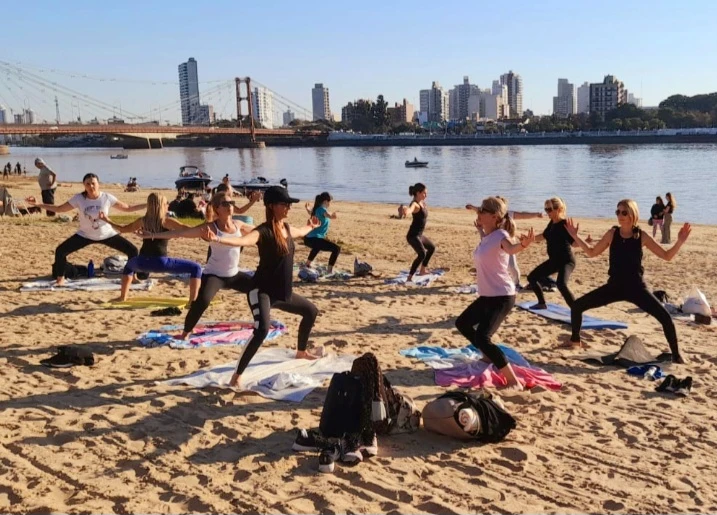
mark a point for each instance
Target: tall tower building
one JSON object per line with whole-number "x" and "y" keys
{"x": 607, "y": 95}
{"x": 263, "y": 101}
{"x": 584, "y": 98}
{"x": 189, "y": 92}
{"x": 458, "y": 99}
{"x": 320, "y": 102}
{"x": 288, "y": 117}
{"x": 434, "y": 102}
{"x": 514, "y": 83}
{"x": 564, "y": 102}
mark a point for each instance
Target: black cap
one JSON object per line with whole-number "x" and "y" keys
{"x": 278, "y": 195}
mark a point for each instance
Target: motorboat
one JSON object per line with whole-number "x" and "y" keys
{"x": 258, "y": 184}
{"x": 416, "y": 163}
{"x": 218, "y": 148}
{"x": 192, "y": 178}
{"x": 119, "y": 156}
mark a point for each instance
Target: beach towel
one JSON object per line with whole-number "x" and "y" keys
{"x": 418, "y": 280}
{"x": 147, "y": 302}
{"x": 93, "y": 284}
{"x": 562, "y": 314}
{"x": 463, "y": 367}
{"x": 468, "y": 289}
{"x": 632, "y": 353}
{"x": 272, "y": 373}
{"x": 209, "y": 334}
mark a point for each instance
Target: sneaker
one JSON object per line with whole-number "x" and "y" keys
{"x": 351, "y": 454}
{"x": 328, "y": 457}
{"x": 309, "y": 441}
{"x": 684, "y": 387}
{"x": 669, "y": 384}
{"x": 369, "y": 446}
{"x": 59, "y": 360}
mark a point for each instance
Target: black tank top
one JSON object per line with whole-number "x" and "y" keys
{"x": 626, "y": 257}
{"x": 154, "y": 248}
{"x": 274, "y": 275}
{"x": 419, "y": 221}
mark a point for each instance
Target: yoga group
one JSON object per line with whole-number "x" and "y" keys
{"x": 270, "y": 286}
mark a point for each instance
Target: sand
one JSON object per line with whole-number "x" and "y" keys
{"x": 108, "y": 439}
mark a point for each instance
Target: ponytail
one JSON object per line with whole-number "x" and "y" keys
{"x": 508, "y": 225}
{"x": 282, "y": 247}
{"x": 416, "y": 189}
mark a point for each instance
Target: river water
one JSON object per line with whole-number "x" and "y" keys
{"x": 590, "y": 178}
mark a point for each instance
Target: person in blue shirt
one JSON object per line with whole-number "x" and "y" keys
{"x": 316, "y": 239}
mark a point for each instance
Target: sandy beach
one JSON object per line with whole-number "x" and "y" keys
{"x": 109, "y": 439}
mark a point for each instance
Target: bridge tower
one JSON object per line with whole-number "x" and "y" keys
{"x": 250, "y": 105}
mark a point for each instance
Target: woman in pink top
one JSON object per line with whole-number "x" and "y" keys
{"x": 496, "y": 286}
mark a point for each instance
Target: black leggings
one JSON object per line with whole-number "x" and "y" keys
{"x": 547, "y": 268}
{"x": 320, "y": 244}
{"x": 423, "y": 247}
{"x": 637, "y": 293}
{"x": 261, "y": 305}
{"x": 211, "y": 284}
{"x": 77, "y": 242}
{"x": 483, "y": 318}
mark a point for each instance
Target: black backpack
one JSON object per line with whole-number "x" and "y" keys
{"x": 342, "y": 407}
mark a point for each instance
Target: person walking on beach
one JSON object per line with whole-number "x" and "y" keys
{"x": 496, "y": 287}
{"x": 153, "y": 254}
{"x": 625, "y": 275}
{"x": 90, "y": 203}
{"x": 272, "y": 281}
{"x": 316, "y": 239}
{"x": 667, "y": 224}
{"x": 560, "y": 254}
{"x": 657, "y": 216}
{"x": 421, "y": 244}
{"x": 47, "y": 179}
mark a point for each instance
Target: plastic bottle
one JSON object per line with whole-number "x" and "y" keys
{"x": 650, "y": 374}
{"x": 91, "y": 269}
{"x": 469, "y": 419}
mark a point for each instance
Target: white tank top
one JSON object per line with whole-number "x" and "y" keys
{"x": 224, "y": 260}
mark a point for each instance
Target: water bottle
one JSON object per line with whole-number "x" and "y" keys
{"x": 91, "y": 269}
{"x": 650, "y": 374}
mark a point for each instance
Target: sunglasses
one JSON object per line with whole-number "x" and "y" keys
{"x": 227, "y": 203}
{"x": 622, "y": 212}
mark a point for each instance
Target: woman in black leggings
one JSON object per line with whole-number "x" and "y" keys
{"x": 423, "y": 246}
{"x": 560, "y": 255}
{"x": 625, "y": 282}
{"x": 316, "y": 239}
{"x": 272, "y": 283}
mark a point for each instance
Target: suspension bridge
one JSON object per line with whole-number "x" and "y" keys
{"x": 24, "y": 88}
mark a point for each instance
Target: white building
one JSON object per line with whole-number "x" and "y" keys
{"x": 632, "y": 99}
{"x": 514, "y": 83}
{"x": 28, "y": 116}
{"x": 263, "y": 101}
{"x": 435, "y": 103}
{"x": 3, "y": 115}
{"x": 564, "y": 104}
{"x": 584, "y": 98}
{"x": 320, "y": 102}
{"x": 288, "y": 117}
{"x": 189, "y": 92}
{"x": 458, "y": 99}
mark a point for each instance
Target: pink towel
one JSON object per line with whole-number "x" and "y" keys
{"x": 477, "y": 374}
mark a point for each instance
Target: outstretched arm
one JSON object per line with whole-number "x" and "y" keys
{"x": 190, "y": 232}
{"x": 413, "y": 207}
{"x": 590, "y": 250}
{"x": 667, "y": 254}
{"x": 515, "y": 248}
{"x": 524, "y": 215}
{"x": 300, "y": 232}
{"x": 130, "y": 227}
{"x": 253, "y": 197}
{"x": 208, "y": 234}
{"x": 62, "y": 208}
{"x": 122, "y": 206}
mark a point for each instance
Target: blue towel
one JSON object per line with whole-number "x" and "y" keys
{"x": 428, "y": 353}
{"x": 562, "y": 314}
{"x": 641, "y": 370}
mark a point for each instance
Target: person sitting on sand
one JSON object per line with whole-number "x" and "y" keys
{"x": 421, "y": 244}
{"x": 272, "y": 281}
{"x": 132, "y": 185}
{"x": 625, "y": 275}
{"x": 90, "y": 203}
{"x": 153, "y": 254}
{"x": 495, "y": 283}
{"x": 316, "y": 239}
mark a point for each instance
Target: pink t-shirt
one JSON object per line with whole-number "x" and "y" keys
{"x": 493, "y": 277}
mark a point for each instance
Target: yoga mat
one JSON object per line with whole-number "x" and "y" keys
{"x": 147, "y": 302}
{"x": 562, "y": 314}
{"x": 209, "y": 334}
{"x": 94, "y": 284}
{"x": 418, "y": 280}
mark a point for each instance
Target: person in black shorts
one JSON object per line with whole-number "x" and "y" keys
{"x": 625, "y": 281}
{"x": 271, "y": 285}
{"x": 421, "y": 244}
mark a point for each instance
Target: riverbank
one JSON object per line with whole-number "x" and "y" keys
{"x": 598, "y": 444}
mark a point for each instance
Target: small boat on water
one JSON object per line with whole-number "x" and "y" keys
{"x": 192, "y": 178}
{"x": 119, "y": 156}
{"x": 218, "y": 148}
{"x": 258, "y": 184}
{"x": 416, "y": 163}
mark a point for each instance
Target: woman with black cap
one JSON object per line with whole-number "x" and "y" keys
{"x": 272, "y": 281}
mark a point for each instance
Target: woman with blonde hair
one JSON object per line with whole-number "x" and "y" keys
{"x": 560, "y": 254}
{"x": 625, "y": 275}
{"x": 153, "y": 254}
{"x": 667, "y": 220}
{"x": 495, "y": 283}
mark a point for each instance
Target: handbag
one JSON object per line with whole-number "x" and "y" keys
{"x": 650, "y": 222}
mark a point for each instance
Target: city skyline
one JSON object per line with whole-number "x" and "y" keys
{"x": 652, "y": 57}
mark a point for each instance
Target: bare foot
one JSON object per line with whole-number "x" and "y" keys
{"x": 182, "y": 336}
{"x": 118, "y": 299}
{"x": 571, "y": 345}
{"x": 60, "y": 281}
{"x": 235, "y": 381}
{"x": 302, "y": 354}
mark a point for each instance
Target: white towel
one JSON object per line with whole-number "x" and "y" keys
{"x": 94, "y": 284}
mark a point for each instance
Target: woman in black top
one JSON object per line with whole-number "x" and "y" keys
{"x": 667, "y": 224}
{"x": 423, "y": 246}
{"x": 272, "y": 281}
{"x": 657, "y": 214}
{"x": 560, "y": 255}
{"x": 625, "y": 282}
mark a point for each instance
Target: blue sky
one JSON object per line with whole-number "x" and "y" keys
{"x": 357, "y": 49}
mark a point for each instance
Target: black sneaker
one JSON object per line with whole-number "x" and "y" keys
{"x": 309, "y": 441}
{"x": 669, "y": 384}
{"x": 684, "y": 387}
{"x": 59, "y": 360}
{"x": 328, "y": 457}
{"x": 351, "y": 454}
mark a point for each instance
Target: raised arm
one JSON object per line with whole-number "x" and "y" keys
{"x": 590, "y": 250}
{"x": 62, "y": 208}
{"x": 667, "y": 254}
{"x": 130, "y": 227}
{"x": 253, "y": 197}
{"x": 520, "y": 246}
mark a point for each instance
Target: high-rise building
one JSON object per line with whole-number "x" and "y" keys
{"x": 632, "y": 99}
{"x": 204, "y": 115}
{"x": 434, "y": 102}
{"x": 584, "y": 98}
{"x": 288, "y": 117}
{"x": 564, "y": 103}
{"x": 458, "y": 99}
{"x": 189, "y": 91}
{"x": 28, "y": 116}
{"x": 607, "y": 95}
{"x": 3, "y": 115}
{"x": 263, "y": 101}
{"x": 320, "y": 102}
{"x": 514, "y": 83}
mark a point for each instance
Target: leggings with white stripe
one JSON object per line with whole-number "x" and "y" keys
{"x": 261, "y": 304}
